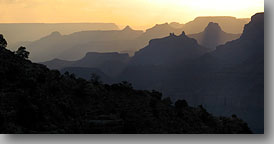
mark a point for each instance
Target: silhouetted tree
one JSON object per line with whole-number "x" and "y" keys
{"x": 3, "y": 42}
{"x": 234, "y": 116}
{"x": 202, "y": 108}
{"x": 72, "y": 76}
{"x": 66, "y": 74}
{"x": 95, "y": 79}
{"x": 157, "y": 94}
{"x": 167, "y": 101}
{"x": 21, "y": 52}
{"x": 179, "y": 104}
{"x": 126, "y": 84}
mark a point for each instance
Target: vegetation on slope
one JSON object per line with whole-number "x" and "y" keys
{"x": 34, "y": 99}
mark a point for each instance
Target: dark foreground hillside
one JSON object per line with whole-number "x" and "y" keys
{"x": 34, "y": 99}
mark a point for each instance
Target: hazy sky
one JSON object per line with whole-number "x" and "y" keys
{"x": 136, "y": 13}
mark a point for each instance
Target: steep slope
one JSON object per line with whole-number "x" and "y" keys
{"x": 169, "y": 50}
{"x": 109, "y": 63}
{"x": 227, "y": 23}
{"x": 76, "y": 45}
{"x": 37, "y": 100}
{"x": 213, "y": 36}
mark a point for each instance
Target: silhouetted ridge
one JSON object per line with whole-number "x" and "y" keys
{"x": 76, "y": 45}
{"x": 158, "y": 27}
{"x": 56, "y": 33}
{"x": 250, "y": 44}
{"x": 255, "y": 29}
{"x": 228, "y": 24}
{"x": 168, "y": 50}
{"x": 213, "y": 36}
{"x": 53, "y": 36}
{"x": 161, "y": 30}
{"x": 157, "y": 31}
{"x": 172, "y": 36}
{"x": 182, "y": 35}
{"x": 176, "y": 25}
{"x": 127, "y": 28}
{"x": 22, "y": 32}
{"x": 92, "y": 54}
{"x": 111, "y": 63}
{"x": 213, "y": 27}
{"x": 73, "y": 46}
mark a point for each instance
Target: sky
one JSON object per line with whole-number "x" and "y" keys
{"x": 139, "y": 14}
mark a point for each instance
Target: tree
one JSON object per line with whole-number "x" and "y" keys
{"x": 126, "y": 84}
{"x": 95, "y": 79}
{"x": 3, "y": 42}
{"x": 21, "y": 52}
{"x": 156, "y": 94}
{"x": 180, "y": 104}
{"x": 234, "y": 116}
{"x": 167, "y": 101}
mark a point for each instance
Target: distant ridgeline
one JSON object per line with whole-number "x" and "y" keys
{"x": 213, "y": 36}
{"x": 34, "y": 99}
{"x": 110, "y": 63}
{"x": 22, "y": 32}
{"x": 226, "y": 77}
{"x": 66, "y": 43}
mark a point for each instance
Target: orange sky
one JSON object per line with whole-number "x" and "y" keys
{"x": 136, "y": 13}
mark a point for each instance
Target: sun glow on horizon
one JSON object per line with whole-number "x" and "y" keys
{"x": 137, "y": 13}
